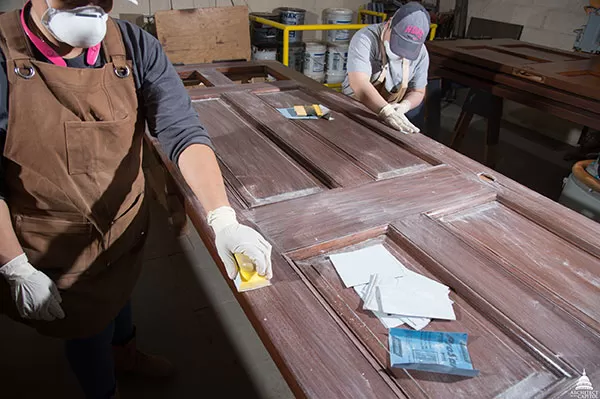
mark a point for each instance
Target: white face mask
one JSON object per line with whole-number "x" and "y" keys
{"x": 81, "y": 27}
{"x": 391, "y": 56}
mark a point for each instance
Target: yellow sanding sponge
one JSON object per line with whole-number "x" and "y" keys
{"x": 248, "y": 280}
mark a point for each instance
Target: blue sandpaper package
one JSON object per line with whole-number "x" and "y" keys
{"x": 438, "y": 352}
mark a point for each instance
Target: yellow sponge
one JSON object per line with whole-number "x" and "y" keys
{"x": 247, "y": 278}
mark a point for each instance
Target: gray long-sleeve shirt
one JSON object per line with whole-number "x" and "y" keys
{"x": 162, "y": 97}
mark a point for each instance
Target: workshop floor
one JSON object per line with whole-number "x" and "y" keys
{"x": 184, "y": 310}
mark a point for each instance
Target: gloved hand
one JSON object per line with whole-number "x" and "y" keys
{"x": 35, "y": 295}
{"x": 393, "y": 116}
{"x": 233, "y": 237}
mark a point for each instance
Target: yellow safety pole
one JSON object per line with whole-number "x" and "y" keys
{"x": 362, "y": 11}
{"x": 432, "y": 30}
{"x": 286, "y": 46}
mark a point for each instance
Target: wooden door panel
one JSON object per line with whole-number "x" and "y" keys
{"x": 503, "y": 363}
{"x": 344, "y": 212}
{"x": 531, "y": 252}
{"x": 373, "y": 153}
{"x": 536, "y": 52}
{"x": 332, "y": 167}
{"x": 262, "y": 173}
{"x": 523, "y": 271}
{"x": 532, "y": 317}
{"x": 575, "y": 73}
{"x": 500, "y": 56}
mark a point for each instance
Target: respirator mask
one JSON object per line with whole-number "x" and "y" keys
{"x": 81, "y": 27}
{"x": 390, "y": 55}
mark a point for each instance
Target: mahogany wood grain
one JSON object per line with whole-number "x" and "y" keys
{"x": 533, "y": 253}
{"x": 204, "y": 93}
{"x": 535, "y": 321}
{"x": 523, "y": 270}
{"x": 212, "y": 77}
{"x": 544, "y": 104}
{"x": 370, "y": 151}
{"x": 573, "y": 72}
{"x": 332, "y": 167}
{"x": 262, "y": 172}
{"x": 531, "y": 87}
{"x": 487, "y": 343}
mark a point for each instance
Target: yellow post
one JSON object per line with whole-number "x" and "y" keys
{"x": 286, "y": 46}
{"x": 432, "y": 30}
{"x": 362, "y": 11}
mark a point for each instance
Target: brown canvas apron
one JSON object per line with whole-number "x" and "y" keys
{"x": 379, "y": 83}
{"x": 74, "y": 179}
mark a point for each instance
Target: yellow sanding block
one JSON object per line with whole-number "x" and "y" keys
{"x": 248, "y": 280}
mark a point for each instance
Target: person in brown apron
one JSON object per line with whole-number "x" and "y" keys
{"x": 73, "y": 211}
{"x": 387, "y": 67}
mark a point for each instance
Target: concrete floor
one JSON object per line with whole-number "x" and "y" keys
{"x": 184, "y": 310}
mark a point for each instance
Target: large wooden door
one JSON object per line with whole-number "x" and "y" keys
{"x": 566, "y": 70}
{"x": 524, "y": 272}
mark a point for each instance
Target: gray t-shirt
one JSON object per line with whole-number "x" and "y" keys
{"x": 364, "y": 55}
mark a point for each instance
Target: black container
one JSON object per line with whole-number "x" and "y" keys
{"x": 291, "y": 16}
{"x": 264, "y": 35}
{"x": 296, "y": 56}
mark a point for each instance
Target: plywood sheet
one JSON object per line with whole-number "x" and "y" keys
{"x": 204, "y": 34}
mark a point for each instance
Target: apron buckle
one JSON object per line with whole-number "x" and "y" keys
{"x": 30, "y": 72}
{"x": 122, "y": 72}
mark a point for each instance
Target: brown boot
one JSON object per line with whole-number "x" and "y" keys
{"x": 128, "y": 359}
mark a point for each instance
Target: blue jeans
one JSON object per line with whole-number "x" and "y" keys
{"x": 91, "y": 358}
{"x": 417, "y": 116}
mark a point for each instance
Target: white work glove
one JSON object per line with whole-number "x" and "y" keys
{"x": 393, "y": 116}
{"x": 35, "y": 295}
{"x": 233, "y": 237}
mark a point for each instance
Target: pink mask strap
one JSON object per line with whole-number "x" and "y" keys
{"x": 53, "y": 56}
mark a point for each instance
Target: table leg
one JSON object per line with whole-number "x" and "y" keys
{"x": 433, "y": 106}
{"x": 493, "y": 132}
{"x": 460, "y": 129}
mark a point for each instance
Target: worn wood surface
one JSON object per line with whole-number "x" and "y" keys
{"x": 524, "y": 271}
{"x": 204, "y": 34}
{"x": 566, "y": 70}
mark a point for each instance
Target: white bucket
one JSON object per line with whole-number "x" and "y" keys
{"x": 264, "y": 54}
{"x": 318, "y": 77}
{"x": 337, "y": 56}
{"x": 337, "y": 16}
{"x": 314, "y": 60}
{"x": 335, "y": 78}
{"x": 580, "y": 198}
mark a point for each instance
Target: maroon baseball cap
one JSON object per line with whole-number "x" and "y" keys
{"x": 409, "y": 29}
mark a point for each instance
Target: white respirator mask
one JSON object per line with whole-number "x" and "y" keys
{"x": 390, "y": 55}
{"x": 81, "y": 27}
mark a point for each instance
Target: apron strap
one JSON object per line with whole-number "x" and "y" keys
{"x": 14, "y": 42}
{"x": 379, "y": 83}
{"x": 384, "y": 60}
{"x": 113, "y": 46}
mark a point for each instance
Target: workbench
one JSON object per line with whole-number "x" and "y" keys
{"x": 561, "y": 83}
{"x": 524, "y": 271}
